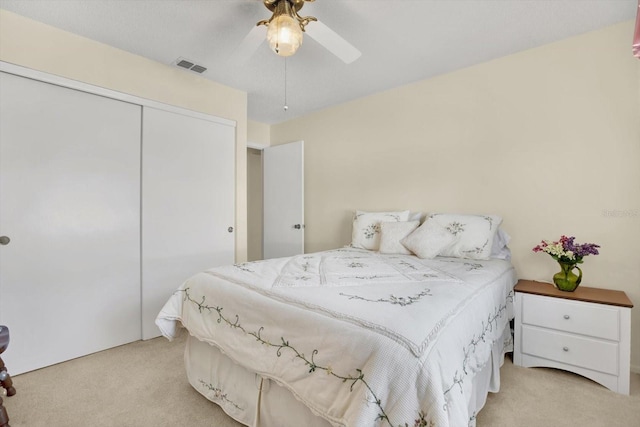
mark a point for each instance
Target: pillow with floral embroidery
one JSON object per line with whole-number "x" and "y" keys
{"x": 473, "y": 235}
{"x": 366, "y": 227}
{"x": 391, "y": 233}
{"x": 428, "y": 240}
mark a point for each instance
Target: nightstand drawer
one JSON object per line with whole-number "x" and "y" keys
{"x": 574, "y": 350}
{"x": 595, "y": 320}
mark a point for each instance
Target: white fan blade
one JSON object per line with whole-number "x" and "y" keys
{"x": 332, "y": 41}
{"x": 249, "y": 45}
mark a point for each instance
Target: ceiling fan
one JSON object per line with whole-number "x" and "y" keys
{"x": 284, "y": 31}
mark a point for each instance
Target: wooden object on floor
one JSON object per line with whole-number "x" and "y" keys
{"x": 5, "y": 378}
{"x": 6, "y": 381}
{"x": 582, "y": 293}
{"x": 4, "y": 417}
{"x": 587, "y": 331}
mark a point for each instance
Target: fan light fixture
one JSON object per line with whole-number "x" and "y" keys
{"x": 285, "y": 28}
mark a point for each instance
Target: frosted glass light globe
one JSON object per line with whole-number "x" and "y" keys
{"x": 284, "y": 35}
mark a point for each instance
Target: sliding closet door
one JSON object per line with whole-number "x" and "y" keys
{"x": 188, "y": 197}
{"x": 69, "y": 203}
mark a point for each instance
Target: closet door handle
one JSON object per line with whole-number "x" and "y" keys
{"x": 4, "y": 240}
{"x": 230, "y": 229}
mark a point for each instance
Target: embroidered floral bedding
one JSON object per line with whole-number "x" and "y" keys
{"x": 361, "y": 338}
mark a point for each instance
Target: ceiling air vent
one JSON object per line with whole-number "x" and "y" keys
{"x": 198, "y": 68}
{"x": 185, "y": 64}
{"x": 190, "y": 65}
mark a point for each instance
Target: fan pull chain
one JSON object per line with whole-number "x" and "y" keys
{"x": 286, "y": 107}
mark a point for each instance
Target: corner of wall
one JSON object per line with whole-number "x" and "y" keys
{"x": 258, "y": 135}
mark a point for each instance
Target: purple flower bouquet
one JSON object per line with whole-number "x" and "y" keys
{"x": 568, "y": 254}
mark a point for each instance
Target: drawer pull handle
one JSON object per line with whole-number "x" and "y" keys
{"x": 565, "y": 348}
{"x": 566, "y": 316}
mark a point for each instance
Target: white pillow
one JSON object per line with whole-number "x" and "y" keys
{"x": 428, "y": 240}
{"x": 500, "y": 249}
{"x": 473, "y": 234}
{"x": 366, "y": 227}
{"x": 392, "y": 232}
{"x": 415, "y": 216}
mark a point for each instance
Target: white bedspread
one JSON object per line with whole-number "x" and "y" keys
{"x": 362, "y": 339}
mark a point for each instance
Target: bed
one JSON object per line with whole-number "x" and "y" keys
{"x": 347, "y": 337}
{"x": 408, "y": 326}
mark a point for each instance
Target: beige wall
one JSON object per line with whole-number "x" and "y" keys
{"x": 41, "y": 47}
{"x": 258, "y": 134}
{"x": 547, "y": 138}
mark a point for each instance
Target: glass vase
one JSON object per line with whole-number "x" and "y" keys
{"x": 566, "y": 279}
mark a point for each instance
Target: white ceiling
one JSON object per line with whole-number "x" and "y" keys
{"x": 401, "y": 41}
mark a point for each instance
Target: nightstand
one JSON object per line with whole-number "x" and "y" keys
{"x": 587, "y": 331}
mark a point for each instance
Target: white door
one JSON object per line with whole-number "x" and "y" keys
{"x": 70, "y": 205}
{"x": 283, "y": 168}
{"x": 188, "y": 204}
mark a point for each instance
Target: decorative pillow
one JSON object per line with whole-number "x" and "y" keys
{"x": 415, "y": 216}
{"x": 428, "y": 240}
{"x": 392, "y": 232}
{"x": 500, "y": 249}
{"x": 473, "y": 234}
{"x": 366, "y": 227}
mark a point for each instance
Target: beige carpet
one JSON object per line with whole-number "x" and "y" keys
{"x": 144, "y": 384}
